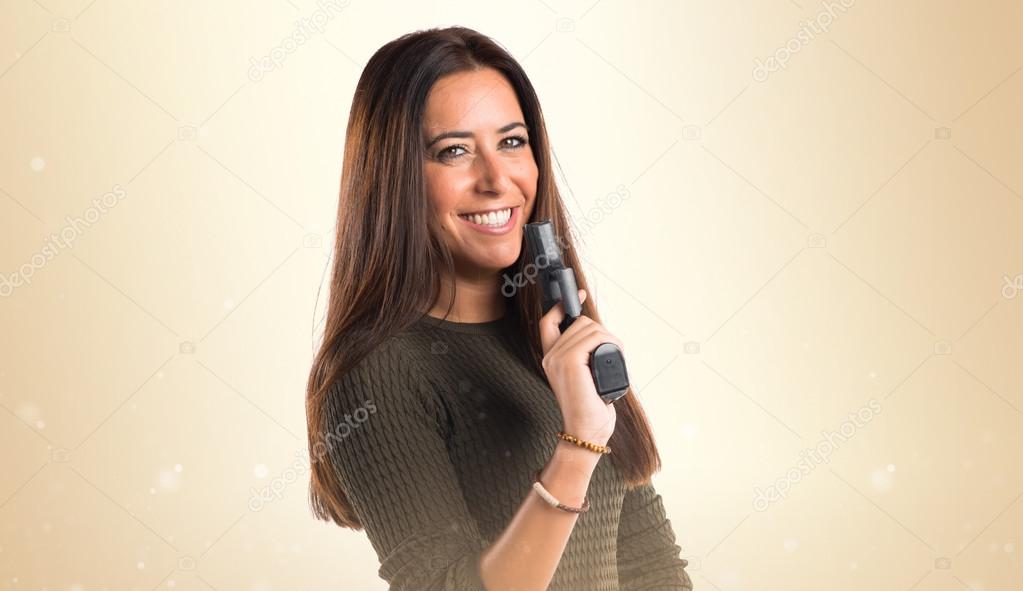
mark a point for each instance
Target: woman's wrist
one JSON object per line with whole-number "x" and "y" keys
{"x": 590, "y": 434}
{"x": 572, "y": 458}
{"x": 567, "y": 474}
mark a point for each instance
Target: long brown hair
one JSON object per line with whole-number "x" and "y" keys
{"x": 389, "y": 248}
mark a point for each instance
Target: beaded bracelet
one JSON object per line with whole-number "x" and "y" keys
{"x": 602, "y": 449}
{"x": 547, "y": 496}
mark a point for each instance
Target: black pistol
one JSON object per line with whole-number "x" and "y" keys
{"x": 557, "y": 284}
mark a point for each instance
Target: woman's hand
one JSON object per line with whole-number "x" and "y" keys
{"x": 566, "y": 363}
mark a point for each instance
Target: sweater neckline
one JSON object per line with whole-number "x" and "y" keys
{"x": 489, "y": 327}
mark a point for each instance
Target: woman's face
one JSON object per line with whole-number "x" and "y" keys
{"x": 479, "y": 168}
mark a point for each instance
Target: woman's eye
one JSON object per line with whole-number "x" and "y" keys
{"x": 447, "y": 154}
{"x": 521, "y": 141}
{"x": 451, "y": 152}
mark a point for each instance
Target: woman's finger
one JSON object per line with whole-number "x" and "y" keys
{"x": 549, "y": 331}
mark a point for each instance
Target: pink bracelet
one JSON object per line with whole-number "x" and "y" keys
{"x": 547, "y": 496}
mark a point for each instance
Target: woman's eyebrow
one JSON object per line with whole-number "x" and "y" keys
{"x": 448, "y": 134}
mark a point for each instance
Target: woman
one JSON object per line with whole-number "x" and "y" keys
{"x": 439, "y": 390}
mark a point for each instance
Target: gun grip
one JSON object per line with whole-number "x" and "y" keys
{"x": 607, "y": 365}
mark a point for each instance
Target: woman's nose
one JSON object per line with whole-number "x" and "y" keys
{"x": 491, "y": 173}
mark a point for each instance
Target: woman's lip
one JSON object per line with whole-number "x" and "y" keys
{"x": 486, "y": 211}
{"x": 512, "y": 220}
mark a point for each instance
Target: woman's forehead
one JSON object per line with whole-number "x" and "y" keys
{"x": 480, "y": 100}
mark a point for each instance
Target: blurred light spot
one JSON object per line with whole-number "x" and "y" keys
{"x": 882, "y": 480}
{"x": 28, "y": 413}
{"x": 168, "y": 481}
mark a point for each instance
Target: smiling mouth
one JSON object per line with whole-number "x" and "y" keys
{"x": 492, "y": 219}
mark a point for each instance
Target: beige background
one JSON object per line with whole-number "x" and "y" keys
{"x": 832, "y": 247}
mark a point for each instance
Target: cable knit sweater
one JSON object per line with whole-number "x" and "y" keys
{"x": 437, "y": 436}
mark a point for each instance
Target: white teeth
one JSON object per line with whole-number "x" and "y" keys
{"x": 494, "y": 218}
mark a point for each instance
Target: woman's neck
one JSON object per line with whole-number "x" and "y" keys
{"x": 476, "y": 299}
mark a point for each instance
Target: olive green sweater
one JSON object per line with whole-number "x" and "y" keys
{"x": 446, "y": 427}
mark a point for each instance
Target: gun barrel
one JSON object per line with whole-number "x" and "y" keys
{"x": 542, "y": 246}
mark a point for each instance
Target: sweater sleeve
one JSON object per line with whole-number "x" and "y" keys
{"x": 394, "y": 467}
{"x": 648, "y": 557}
